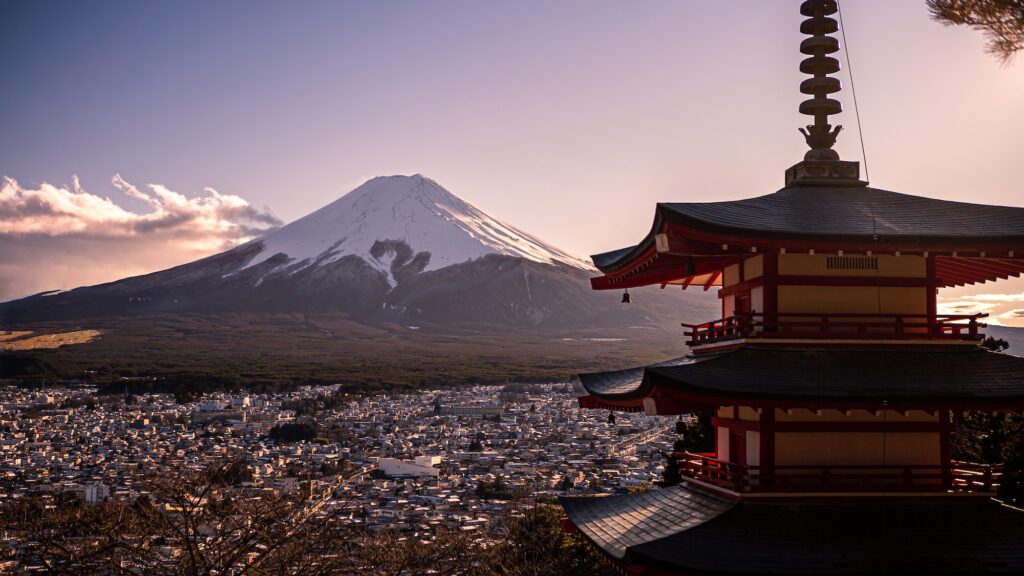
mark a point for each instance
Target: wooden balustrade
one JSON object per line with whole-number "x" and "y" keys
{"x": 960, "y": 477}
{"x": 848, "y": 326}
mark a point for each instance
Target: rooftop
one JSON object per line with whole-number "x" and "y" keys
{"x": 681, "y": 529}
{"x": 836, "y": 214}
{"x": 800, "y": 377}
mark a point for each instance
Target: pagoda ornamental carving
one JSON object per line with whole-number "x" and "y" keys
{"x": 832, "y": 377}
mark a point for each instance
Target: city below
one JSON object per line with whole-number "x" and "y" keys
{"x": 450, "y": 459}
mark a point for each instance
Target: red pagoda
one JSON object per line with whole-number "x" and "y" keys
{"x": 832, "y": 377}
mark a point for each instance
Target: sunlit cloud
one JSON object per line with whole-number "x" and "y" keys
{"x": 999, "y": 297}
{"x": 211, "y": 221}
{"x": 1013, "y": 317}
{"x": 1002, "y": 309}
{"x": 964, "y": 307}
{"x": 54, "y": 237}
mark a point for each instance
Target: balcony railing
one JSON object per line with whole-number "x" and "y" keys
{"x": 960, "y": 477}
{"x": 840, "y": 326}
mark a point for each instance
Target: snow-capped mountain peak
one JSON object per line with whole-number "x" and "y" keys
{"x": 397, "y": 250}
{"x": 374, "y": 220}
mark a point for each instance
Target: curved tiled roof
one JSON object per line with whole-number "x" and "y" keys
{"x": 858, "y": 212}
{"x": 615, "y": 523}
{"x": 932, "y": 375}
{"x": 607, "y": 258}
{"x": 838, "y": 213}
{"x": 709, "y": 535}
{"x": 617, "y": 382}
{"x": 871, "y": 375}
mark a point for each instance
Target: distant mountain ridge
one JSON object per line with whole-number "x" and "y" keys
{"x": 397, "y": 249}
{"x": 1014, "y": 336}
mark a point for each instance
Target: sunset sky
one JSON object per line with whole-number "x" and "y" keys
{"x": 167, "y": 131}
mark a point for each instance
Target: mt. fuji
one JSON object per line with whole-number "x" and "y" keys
{"x": 397, "y": 249}
{"x": 381, "y": 218}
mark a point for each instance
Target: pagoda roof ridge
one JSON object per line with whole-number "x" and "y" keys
{"x": 869, "y": 377}
{"x": 834, "y": 214}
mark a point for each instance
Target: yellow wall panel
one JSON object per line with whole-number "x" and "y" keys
{"x": 731, "y": 275}
{"x": 856, "y": 448}
{"x": 853, "y": 299}
{"x": 753, "y": 267}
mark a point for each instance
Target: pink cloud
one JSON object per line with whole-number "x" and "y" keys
{"x": 212, "y": 220}
{"x": 55, "y": 237}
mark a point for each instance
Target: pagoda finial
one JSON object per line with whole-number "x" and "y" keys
{"x": 820, "y": 135}
{"x": 821, "y": 165}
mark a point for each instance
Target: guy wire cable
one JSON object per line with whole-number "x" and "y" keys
{"x": 853, "y": 90}
{"x": 874, "y": 222}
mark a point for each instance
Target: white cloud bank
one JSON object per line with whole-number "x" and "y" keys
{"x": 60, "y": 238}
{"x": 1003, "y": 309}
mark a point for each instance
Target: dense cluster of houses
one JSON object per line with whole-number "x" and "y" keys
{"x": 408, "y": 462}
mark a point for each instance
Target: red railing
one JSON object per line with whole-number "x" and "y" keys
{"x": 960, "y": 477}
{"x": 842, "y": 326}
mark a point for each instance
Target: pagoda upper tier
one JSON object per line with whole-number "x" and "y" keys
{"x": 691, "y": 244}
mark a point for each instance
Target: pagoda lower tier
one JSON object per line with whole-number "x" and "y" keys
{"x": 816, "y": 421}
{"x": 686, "y": 530}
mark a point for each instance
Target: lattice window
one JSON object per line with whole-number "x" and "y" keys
{"x": 852, "y": 263}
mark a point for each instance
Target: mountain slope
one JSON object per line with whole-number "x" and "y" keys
{"x": 373, "y": 220}
{"x": 398, "y": 249}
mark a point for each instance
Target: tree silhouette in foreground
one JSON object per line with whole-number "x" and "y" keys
{"x": 696, "y": 434}
{"x": 1002, "y": 21}
{"x": 992, "y": 438}
{"x": 201, "y": 522}
{"x": 206, "y": 522}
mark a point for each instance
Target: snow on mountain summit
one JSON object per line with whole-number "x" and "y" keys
{"x": 410, "y": 209}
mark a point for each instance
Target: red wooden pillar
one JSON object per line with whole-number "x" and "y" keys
{"x": 946, "y": 447}
{"x": 932, "y": 296}
{"x": 767, "y": 445}
{"x": 771, "y": 291}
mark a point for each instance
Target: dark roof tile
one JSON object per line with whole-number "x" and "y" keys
{"x": 623, "y": 381}
{"x": 894, "y": 536}
{"x": 957, "y": 375}
{"x": 837, "y": 213}
{"x": 686, "y": 530}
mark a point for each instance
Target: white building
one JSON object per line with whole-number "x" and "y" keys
{"x": 420, "y": 467}
{"x": 96, "y": 493}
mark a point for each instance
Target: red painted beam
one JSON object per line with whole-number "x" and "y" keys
{"x": 933, "y": 292}
{"x": 950, "y": 276}
{"x": 713, "y": 400}
{"x": 976, "y": 269}
{"x": 711, "y": 281}
{"x": 667, "y": 268}
{"x": 590, "y": 402}
{"x": 742, "y": 243}
{"x": 846, "y": 427}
